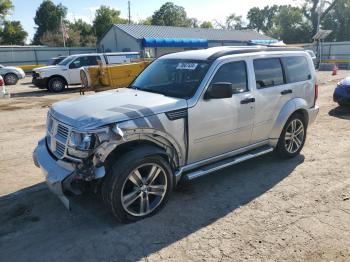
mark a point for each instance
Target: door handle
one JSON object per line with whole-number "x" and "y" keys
{"x": 248, "y": 100}
{"x": 287, "y": 91}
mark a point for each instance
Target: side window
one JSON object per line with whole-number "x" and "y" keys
{"x": 268, "y": 72}
{"x": 234, "y": 73}
{"x": 297, "y": 69}
{"x": 84, "y": 61}
{"x": 92, "y": 60}
{"x": 75, "y": 64}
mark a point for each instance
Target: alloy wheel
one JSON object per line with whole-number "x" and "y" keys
{"x": 144, "y": 189}
{"x": 294, "y": 136}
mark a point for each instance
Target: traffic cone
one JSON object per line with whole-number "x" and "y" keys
{"x": 334, "y": 71}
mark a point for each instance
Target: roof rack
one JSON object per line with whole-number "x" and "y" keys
{"x": 251, "y": 50}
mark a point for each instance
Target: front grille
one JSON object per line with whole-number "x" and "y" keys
{"x": 60, "y": 149}
{"x": 57, "y": 137}
{"x": 62, "y": 131}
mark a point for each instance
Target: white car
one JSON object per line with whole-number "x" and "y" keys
{"x": 55, "y": 78}
{"x": 11, "y": 74}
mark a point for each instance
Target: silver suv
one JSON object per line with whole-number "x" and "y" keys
{"x": 186, "y": 115}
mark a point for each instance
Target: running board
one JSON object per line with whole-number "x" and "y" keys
{"x": 204, "y": 170}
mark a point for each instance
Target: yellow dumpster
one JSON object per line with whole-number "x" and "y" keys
{"x": 101, "y": 77}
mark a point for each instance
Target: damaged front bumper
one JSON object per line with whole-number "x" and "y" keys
{"x": 59, "y": 174}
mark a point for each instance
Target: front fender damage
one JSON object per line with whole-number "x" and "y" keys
{"x": 123, "y": 135}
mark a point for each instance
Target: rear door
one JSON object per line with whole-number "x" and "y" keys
{"x": 270, "y": 95}
{"x": 299, "y": 77}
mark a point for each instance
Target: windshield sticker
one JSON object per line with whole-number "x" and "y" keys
{"x": 187, "y": 66}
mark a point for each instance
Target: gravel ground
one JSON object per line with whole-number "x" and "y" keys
{"x": 265, "y": 209}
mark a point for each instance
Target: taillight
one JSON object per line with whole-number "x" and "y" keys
{"x": 316, "y": 93}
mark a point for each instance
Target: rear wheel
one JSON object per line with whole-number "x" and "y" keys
{"x": 11, "y": 79}
{"x": 137, "y": 186}
{"x": 56, "y": 84}
{"x": 293, "y": 136}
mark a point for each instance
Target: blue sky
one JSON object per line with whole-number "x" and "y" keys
{"x": 201, "y": 9}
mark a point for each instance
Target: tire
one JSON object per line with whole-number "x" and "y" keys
{"x": 10, "y": 79}
{"x": 129, "y": 184}
{"x": 56, "y": 84}
{"x": 343, "y": 104}
{"x": 292, "y": 138}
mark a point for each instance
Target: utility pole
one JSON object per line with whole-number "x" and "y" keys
{"x": 63, "y": 33}
{"x": 319, "y": 12}
{"x": 129, "y": 12}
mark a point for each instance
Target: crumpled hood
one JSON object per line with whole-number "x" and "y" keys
{"x": 47, "y": 68}
{"x": 93, "y": 111}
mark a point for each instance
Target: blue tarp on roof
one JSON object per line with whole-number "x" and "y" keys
{"x": 262, "y": 42}
{"x": 174, "y": 42}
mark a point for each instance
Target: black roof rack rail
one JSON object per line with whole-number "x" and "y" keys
{"x": 251, "y": 50}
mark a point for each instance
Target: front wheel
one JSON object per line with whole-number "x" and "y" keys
{"x": 56, "y": 85}
{"x": 137, "y": 186}
{"x": 292, "y": 138}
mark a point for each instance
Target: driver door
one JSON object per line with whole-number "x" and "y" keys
{"x": 74, "y": 67}
{"x": 218, "y": 126}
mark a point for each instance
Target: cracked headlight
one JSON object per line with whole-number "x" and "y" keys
{"x": 81, "y": 144}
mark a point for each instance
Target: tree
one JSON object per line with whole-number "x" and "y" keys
{"x": 147, "y": 21}
{"x": 51, "y": 39}
{"x": 105, "y": 17}
{"x": 206, "y": 24}
{"x": 170, "y": 14}
{"x": 81, "y": 34}
{"x": 193, "y": 22}
{"x": 262, "y": 19}
{"x": 312, "y": 8}
{"x": 13, "y": 33}
{"x": 290, "y": 25}
{"x": 48, "y": 19}
{"x": 338, "y": 20}
{"x": 5, "y": 8}
{"x": 232, "y": 22}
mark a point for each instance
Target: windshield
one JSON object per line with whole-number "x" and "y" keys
{"x": 172, "y": 77}
{"x": 67, "y": 60}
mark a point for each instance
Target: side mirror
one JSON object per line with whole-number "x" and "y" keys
{"x": 219, "y": 90}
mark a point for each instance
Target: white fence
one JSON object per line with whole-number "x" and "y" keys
{"x": 36, "y": 55}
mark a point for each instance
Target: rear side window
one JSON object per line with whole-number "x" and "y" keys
{"x": 234, "y": 73}
{"x": 268, "y": 72}
{"x": 297, "y": 69}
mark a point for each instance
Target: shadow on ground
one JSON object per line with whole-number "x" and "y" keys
{"x": 342, "y": 112}
{"x": 34, "y": 226}
{"x": 37, "y": 92}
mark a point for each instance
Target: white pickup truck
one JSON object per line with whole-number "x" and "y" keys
{"x": 57, "y": 77}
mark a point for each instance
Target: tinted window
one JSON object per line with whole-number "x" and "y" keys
{"x": 234, "y": 73}
{"x": 84, "y": 61}
{"x": 297, "y": 68}
{"x": 268, "y": 72}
